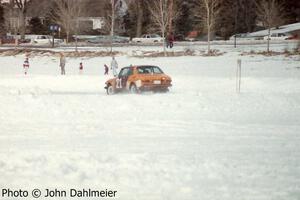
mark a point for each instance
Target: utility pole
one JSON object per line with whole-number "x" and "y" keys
{"x": 238, "y": 75}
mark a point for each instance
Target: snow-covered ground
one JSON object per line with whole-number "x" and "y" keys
{"x": 201, "y": 140}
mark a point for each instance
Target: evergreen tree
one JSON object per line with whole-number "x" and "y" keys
{"x": 185, "y": 20}
{"x": 36, "y": 26}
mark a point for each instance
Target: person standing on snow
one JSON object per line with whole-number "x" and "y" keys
{"x": 62, "y": 63}
{"x": 80, "y": 68}
{"x": 106, "y": 69}
{"x": 114, "y": 66}
{"x": 26, "y": 65}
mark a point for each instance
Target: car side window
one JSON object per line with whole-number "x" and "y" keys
{"x": 140, "y": 70}
{"x": 144, "y": 70}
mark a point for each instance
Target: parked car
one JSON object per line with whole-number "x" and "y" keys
{"x": 148, "y": 38}
{"x": 279, "y": 36}
{"x": 8, "y": 40}
{"x": 43, "y": 39}
{"x": 241, "y": 36}
{"x": 139, "y": 78}
{"x": 107, "y": 39}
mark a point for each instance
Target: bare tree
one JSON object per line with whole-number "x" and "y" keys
{"x": 171, "y": 18}
{"x": 161, "y": 15}
{"x": 209, "y": 11}
{"x": 22, "y": 5}
{"x": 113, "y": 17}
{"x": 39, "y": 8}
{"x": 111, "y": 7}
{"x": 271, "y": 13}
{"x": 67, "y": 15}
{"x": 139, "y": 23}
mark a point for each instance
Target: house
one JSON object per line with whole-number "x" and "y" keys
{"x": 94, "y": 17}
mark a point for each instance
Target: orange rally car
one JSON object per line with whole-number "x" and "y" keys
{"x": 139, "y": 78}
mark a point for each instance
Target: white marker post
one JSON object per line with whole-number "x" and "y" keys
{"x": 238, "y": 75}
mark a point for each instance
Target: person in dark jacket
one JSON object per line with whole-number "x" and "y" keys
{"x": 106, "y": 69}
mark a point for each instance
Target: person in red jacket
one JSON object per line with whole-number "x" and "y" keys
{"x": 26, "y": 65}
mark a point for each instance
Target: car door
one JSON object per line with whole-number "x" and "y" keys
{"x": 124, "y": 75}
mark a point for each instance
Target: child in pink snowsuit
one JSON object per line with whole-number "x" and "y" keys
{"x": 26, "y": 65}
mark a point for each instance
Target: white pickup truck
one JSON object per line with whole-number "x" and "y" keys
{"x": 148, "y": 38}
{"x": 44, "y": 39}
{"x": 279, "y": 36}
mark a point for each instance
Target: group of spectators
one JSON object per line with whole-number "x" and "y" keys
{"x": 62, "y": 65}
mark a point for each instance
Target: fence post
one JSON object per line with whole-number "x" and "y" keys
{"x": 238, "y": 75}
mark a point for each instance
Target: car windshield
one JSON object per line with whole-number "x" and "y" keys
{"x": 149, "y": 70}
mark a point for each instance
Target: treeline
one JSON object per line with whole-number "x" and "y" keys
{"x": 135, "y": 17}
{"x": 234, "y": 16}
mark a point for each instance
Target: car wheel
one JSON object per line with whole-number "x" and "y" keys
{"x": 110, "y": 90}
{"x": 134, "y": 89}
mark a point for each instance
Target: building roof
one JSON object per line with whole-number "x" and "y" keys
{"x": 282, "y": 29}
